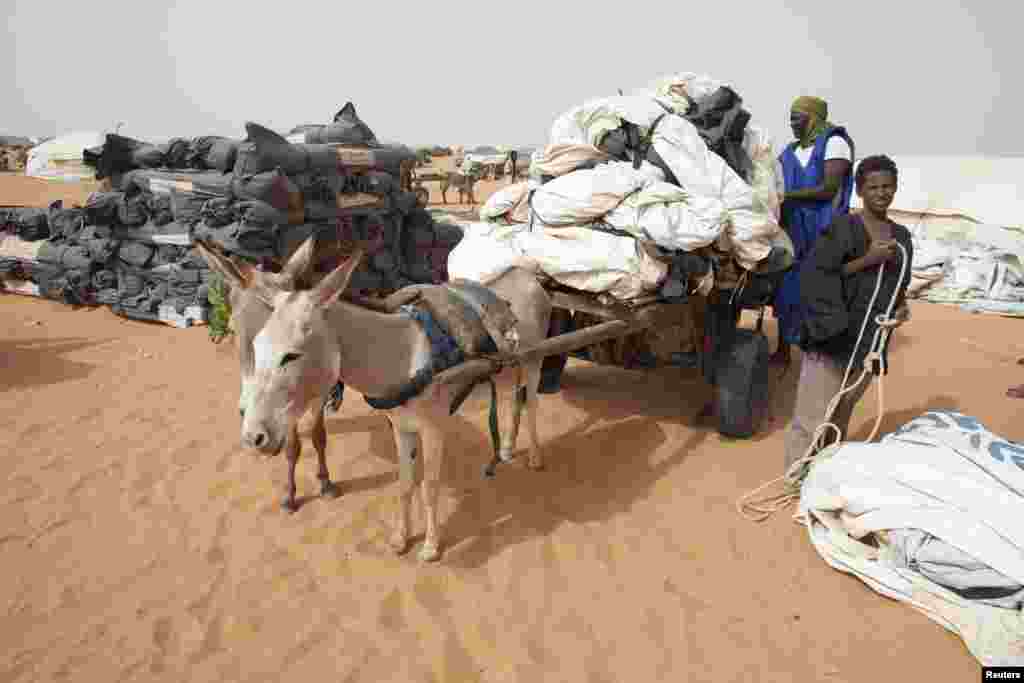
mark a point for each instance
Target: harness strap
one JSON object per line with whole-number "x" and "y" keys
{"x": 444, "y": 354}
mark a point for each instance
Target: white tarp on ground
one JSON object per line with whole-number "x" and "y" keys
{"x": 962, "y": 262}
{"x": 61, "y": 158}
{"x": 947, "y": 476}
{"x": 578, "y": 257}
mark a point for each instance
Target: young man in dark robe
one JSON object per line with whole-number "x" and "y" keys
{"x": 837, "y": 280}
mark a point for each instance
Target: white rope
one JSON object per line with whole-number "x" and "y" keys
{"x": 760, "y": 510}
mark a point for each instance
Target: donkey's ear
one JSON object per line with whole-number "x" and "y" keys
{"x": 239, "y": 274}
{"x": 335, "y": 282}
{"x": 299, "y": 266}
{"x": 220, "y": 263}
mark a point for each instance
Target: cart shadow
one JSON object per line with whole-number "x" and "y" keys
{"x": 593, "y": 472}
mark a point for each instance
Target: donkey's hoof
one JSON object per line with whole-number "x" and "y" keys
{"x": 489, "y": 471}
{"x": 289, "y": 505}
{"x": 430, "y": 553}
{"x": 328, "y": 489}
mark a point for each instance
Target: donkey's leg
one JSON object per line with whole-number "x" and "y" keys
{"x": 535, "y": 461}
{"x": 510, "y": 432}
{"x": 432, "y": 441}
{"x": 293, "y": 447}
{"x": 327, "y": 487}
{"x": 405, "y": 444}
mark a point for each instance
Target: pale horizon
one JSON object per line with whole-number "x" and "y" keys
{"x": 902, "y": 80}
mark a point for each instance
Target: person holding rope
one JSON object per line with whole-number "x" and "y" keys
{"x": 1017, "y": 391}
{"x": 816, "y": 170}
{"x": 850, "y": 276}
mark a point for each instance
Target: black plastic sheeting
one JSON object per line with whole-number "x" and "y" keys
{"x": 258, "y": 199}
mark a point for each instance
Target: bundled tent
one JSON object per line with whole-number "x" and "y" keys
{"x": 676, "y": 166}
{"x": 931, "y": 516}
{"x": 258, "y": 199}
{"x": 967, "y": 218}
{"x": 63, "y": 158}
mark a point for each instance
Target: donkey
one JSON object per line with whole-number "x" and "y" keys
{"x": 249, "y": 313}
{"x": 312, "y": 339}
{"x": 463, "y": 182}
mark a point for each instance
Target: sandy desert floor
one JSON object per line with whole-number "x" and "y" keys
{"x": 140, "y": 543}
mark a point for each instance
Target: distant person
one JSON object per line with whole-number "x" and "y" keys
{"x": 1017, "y": 391}
{"x": 837, "y": 280}
{"x": 816, "y": 169}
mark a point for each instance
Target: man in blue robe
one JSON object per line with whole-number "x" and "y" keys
{"x": 817, "y": 169}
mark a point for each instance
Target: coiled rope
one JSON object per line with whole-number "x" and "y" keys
{"x": 762, "y": 509}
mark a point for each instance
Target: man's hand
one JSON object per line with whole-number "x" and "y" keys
{"x": 899, "y": 316}
{"x": 881, "y": 251}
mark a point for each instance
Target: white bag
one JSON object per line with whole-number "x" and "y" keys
{"x": 581, "y": 258}
{"x": 509, "y": 203}
{"x": 559, "y": 159}
{"x": 593, "y": 261}
{"x": 486, "y": 252}
{"x": 752, "y": 217}
{"x": 584, "y": 196}
{"x": 664, "y": 214}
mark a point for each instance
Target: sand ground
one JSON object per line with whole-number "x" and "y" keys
{"x": 141, "y": 543}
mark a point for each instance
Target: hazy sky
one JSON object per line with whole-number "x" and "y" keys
{"x": 905, "y": 77}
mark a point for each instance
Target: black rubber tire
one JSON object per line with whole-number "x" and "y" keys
{"x": 741, "y": 385}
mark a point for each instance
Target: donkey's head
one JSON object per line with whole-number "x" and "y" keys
{"x": 251, "y": 298}
{"x": 296, "y": 355}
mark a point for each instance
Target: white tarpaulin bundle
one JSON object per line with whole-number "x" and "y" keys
{"x": 510, "y": 204}
{"x": 581, "y": 258}
{"x": 741, "y": 217}
{"x": 944, "y": 499}
{"x": 62, "y": 158}
{"x": 710, "y": 205}
{"x": 585, "y": 196}
{"x": 959, "y": 261}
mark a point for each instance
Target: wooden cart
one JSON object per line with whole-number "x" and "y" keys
{"x": 733, "y": 360}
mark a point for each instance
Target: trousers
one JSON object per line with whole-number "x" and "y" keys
{"x": 820, "y": 380}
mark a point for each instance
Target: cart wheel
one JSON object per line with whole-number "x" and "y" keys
{"x": 741, "y": 385}
{"x": 422, "y": 197}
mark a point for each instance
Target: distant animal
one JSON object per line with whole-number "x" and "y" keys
{"x": 463, "y": 182}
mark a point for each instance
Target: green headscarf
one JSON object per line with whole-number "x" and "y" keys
{"x": 817, "y": 109}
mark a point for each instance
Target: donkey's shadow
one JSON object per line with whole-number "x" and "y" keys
{"x": 594, "y": 471}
